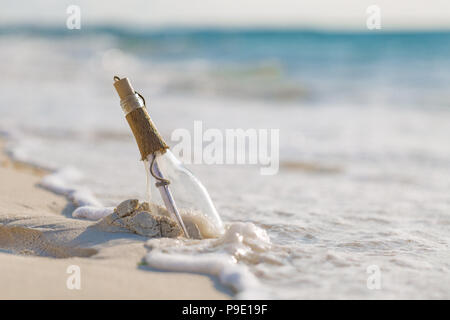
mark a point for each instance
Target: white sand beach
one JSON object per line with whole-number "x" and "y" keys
{"x": 39, "y": 241}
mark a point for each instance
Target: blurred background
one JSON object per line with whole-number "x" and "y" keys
{"x": 364, "y": 119}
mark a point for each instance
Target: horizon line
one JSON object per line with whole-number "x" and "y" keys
{"x": 222, "y": 28}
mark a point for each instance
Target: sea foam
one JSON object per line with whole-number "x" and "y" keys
{"x": 61, "y": 182}
{"x": 221, "y": 257}
{"x": 92, "y": 213}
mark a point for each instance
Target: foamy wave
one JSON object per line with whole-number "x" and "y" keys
{"x": 219, "y": 257}
{"x": 61, "y": 182}
{"x": 230, "y": 274}
{"x": 92, "y": 213}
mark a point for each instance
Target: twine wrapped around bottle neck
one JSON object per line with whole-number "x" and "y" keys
{"x": 147, "y": 136}
{"x": 130, "y": 103}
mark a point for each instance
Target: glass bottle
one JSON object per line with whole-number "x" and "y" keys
{"x": 182, "y": 194}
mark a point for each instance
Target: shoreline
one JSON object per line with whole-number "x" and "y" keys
{"x": 39, "y": 241}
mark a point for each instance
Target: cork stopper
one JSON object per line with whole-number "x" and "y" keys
{"x": 123, "y": 87}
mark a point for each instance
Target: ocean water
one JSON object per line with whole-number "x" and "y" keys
{"x": 364, "y": 122}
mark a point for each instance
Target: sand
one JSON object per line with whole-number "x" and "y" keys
{"x": 142, "y": 219}
{"x": 40, "y": 241}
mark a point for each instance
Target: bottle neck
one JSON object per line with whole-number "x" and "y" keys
{"x": 147, "y": 136}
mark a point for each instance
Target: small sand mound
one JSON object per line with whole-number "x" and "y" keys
{"x": 144, "y": 219}
{"x": 26, "y": 241}
{"x": 153, "y": 221}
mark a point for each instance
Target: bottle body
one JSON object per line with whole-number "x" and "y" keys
{"x": 191, "y": 197}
